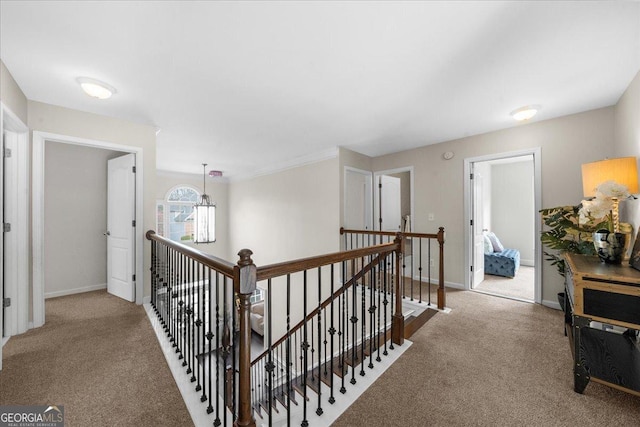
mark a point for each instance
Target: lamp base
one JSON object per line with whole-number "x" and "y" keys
{"x": 609, "y": 246}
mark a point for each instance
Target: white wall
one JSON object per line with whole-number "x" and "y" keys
{"x": 11, "y": 94}
{"x": 75, "y": 218}
{"x": 512, "y": 207}
{"x": 627, "y": 142}
{"x": 218, "y": 190}
{"x": 565, "y": 143}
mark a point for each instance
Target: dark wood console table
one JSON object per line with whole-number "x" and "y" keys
{"x": 608, "y": 294}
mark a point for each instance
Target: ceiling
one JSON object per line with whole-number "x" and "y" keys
{"x": 245, "y": 86}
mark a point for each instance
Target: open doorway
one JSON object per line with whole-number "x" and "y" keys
{"x": 39, "y": 217}
{"x": 502, "y": 201}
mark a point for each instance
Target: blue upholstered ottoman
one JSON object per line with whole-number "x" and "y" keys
{"x": 503, "y": 263}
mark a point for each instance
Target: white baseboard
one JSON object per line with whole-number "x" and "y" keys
{"x": 552, "y": 304}
{"x": 74, "y": 291}
{"x": 528, "y": 262}
{"x": 146, "y": 300}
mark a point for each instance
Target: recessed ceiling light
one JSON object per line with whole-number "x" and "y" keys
{"x": 96, "y": 88}
{"x": 525, "y": 113}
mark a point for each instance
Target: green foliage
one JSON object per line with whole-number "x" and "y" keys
{"x": 564, "y": 233}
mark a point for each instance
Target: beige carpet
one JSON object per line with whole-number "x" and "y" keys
{"x": 98, "y": 356}
{"x": 490, "y": 362}
{"x": 521, "y": 286}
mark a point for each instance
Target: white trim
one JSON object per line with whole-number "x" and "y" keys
{"x": 146, "y": 300}
{"x": 83, "y": 289}
{"x": 16, "y": 259}
{"x": 552, "y": 304}
{"x": 536, "y": 152}
{"x": 287, "y": 164}
{"x": 38, "y": 171}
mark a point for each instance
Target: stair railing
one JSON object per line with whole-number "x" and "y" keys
{"x": 335, "y": 312}
{"x": 348, "y": 314}
{"x": 418, "y": 262}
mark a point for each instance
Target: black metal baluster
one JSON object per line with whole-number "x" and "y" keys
{"x": 319, "y": 409}
{"x": 372, "y": 310}
{"x": 420, "y": 266}
{"x": 305, "y": 348}
{"x": 217, "y": 336}
{"x": 354, "y": 320}
{"x": 288, "y": 387}
{"x": 343, "y": 327}
{"x": 226, "y": 343}
{"x": 269, "y": 366}
{"x": 429, "y": 270}
{"x": 385, "y": 302}
{"x": 332, "y": 332}
{"x": 234, "y": 353}
{"x": 378, "y": 287}
{"x": 197, "y": 306}
{"x": 210, "y": 334}
{"x": 411, "y": 272}
{"x": 392, "y": 291}
{"x": 363, "y": 316}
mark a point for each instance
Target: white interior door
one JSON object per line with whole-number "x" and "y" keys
{"x": 477, "y": 229}
{"x": 357, "y": 200}
{"x": 390, "y": 207}
{"x": 2, "y": 334}
{"x": 121, "y": 214}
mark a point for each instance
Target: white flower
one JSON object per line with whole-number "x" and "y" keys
{"x": 594, "y": 209}
{"x": 611, "y": 189}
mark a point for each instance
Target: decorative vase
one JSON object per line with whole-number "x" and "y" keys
{"x": 610, "y": 246}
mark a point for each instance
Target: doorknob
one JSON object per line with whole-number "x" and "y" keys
{"x": 108, "y": 233}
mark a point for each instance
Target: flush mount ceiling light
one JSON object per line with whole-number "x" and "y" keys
{"x": 525, "y": 113}
{"x": 96, "y": 88}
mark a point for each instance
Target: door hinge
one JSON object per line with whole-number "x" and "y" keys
{"x": 470, "y": 176}
{"x": 6, "y": 227}
{"x": 471, "y": 223}
{"x": 133, "y": 278}
{"x": 472, "y": 268}
{"x": 7, "y": 153}
{"x": 6, "y": 302}
{"x": 133, "y": 223}
{"x": 133, "y": 168}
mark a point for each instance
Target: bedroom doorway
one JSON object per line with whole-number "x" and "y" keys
{"x": 502, "y": 198}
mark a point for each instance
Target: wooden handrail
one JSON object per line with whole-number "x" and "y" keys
{"x": 274, "y": 270}
{"x": 217, "y": 264}
{"x": 326, "y": 303}
{"x": 390, "y": 233}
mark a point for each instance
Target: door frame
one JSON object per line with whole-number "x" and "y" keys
{"x": 376, "y": 194}
{"x": 39, "y": 139}
{"x": 536, "y": 152}
{"x": 17, "y": 239}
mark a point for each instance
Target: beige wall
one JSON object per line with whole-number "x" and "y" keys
{"x": 218, "y": 191}
{"x": 65, "y": 121}
{"x": 565, "y": 143}
{"x": 11, "y": 94}
{"x": 75, "y": 218}
{"x": 627, "y": 140}
{"x": 286, "y": 215}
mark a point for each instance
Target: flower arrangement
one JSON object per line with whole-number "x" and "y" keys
{"x": 603, "y": 209}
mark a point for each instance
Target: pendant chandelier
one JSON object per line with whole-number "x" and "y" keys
{"x": 204, "y": 216}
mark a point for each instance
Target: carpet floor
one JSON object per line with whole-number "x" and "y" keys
{"x": 490, "y": 362}
{"x": 521, "y": 286}
{"x": 98, "y": 357}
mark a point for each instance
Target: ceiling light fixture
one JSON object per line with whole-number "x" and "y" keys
{"x": 525, "y": 113}
{"x": 96, "y": 88}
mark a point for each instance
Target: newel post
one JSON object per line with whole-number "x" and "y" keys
{"x": 442, "y": 299}
{"x": 244, "y": 283}
{"x": 397, "y": 327}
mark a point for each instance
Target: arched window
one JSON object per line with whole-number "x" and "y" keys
{"x": 174, "y": 218}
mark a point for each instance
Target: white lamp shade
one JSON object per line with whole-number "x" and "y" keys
{"x": 204, "y": 230}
